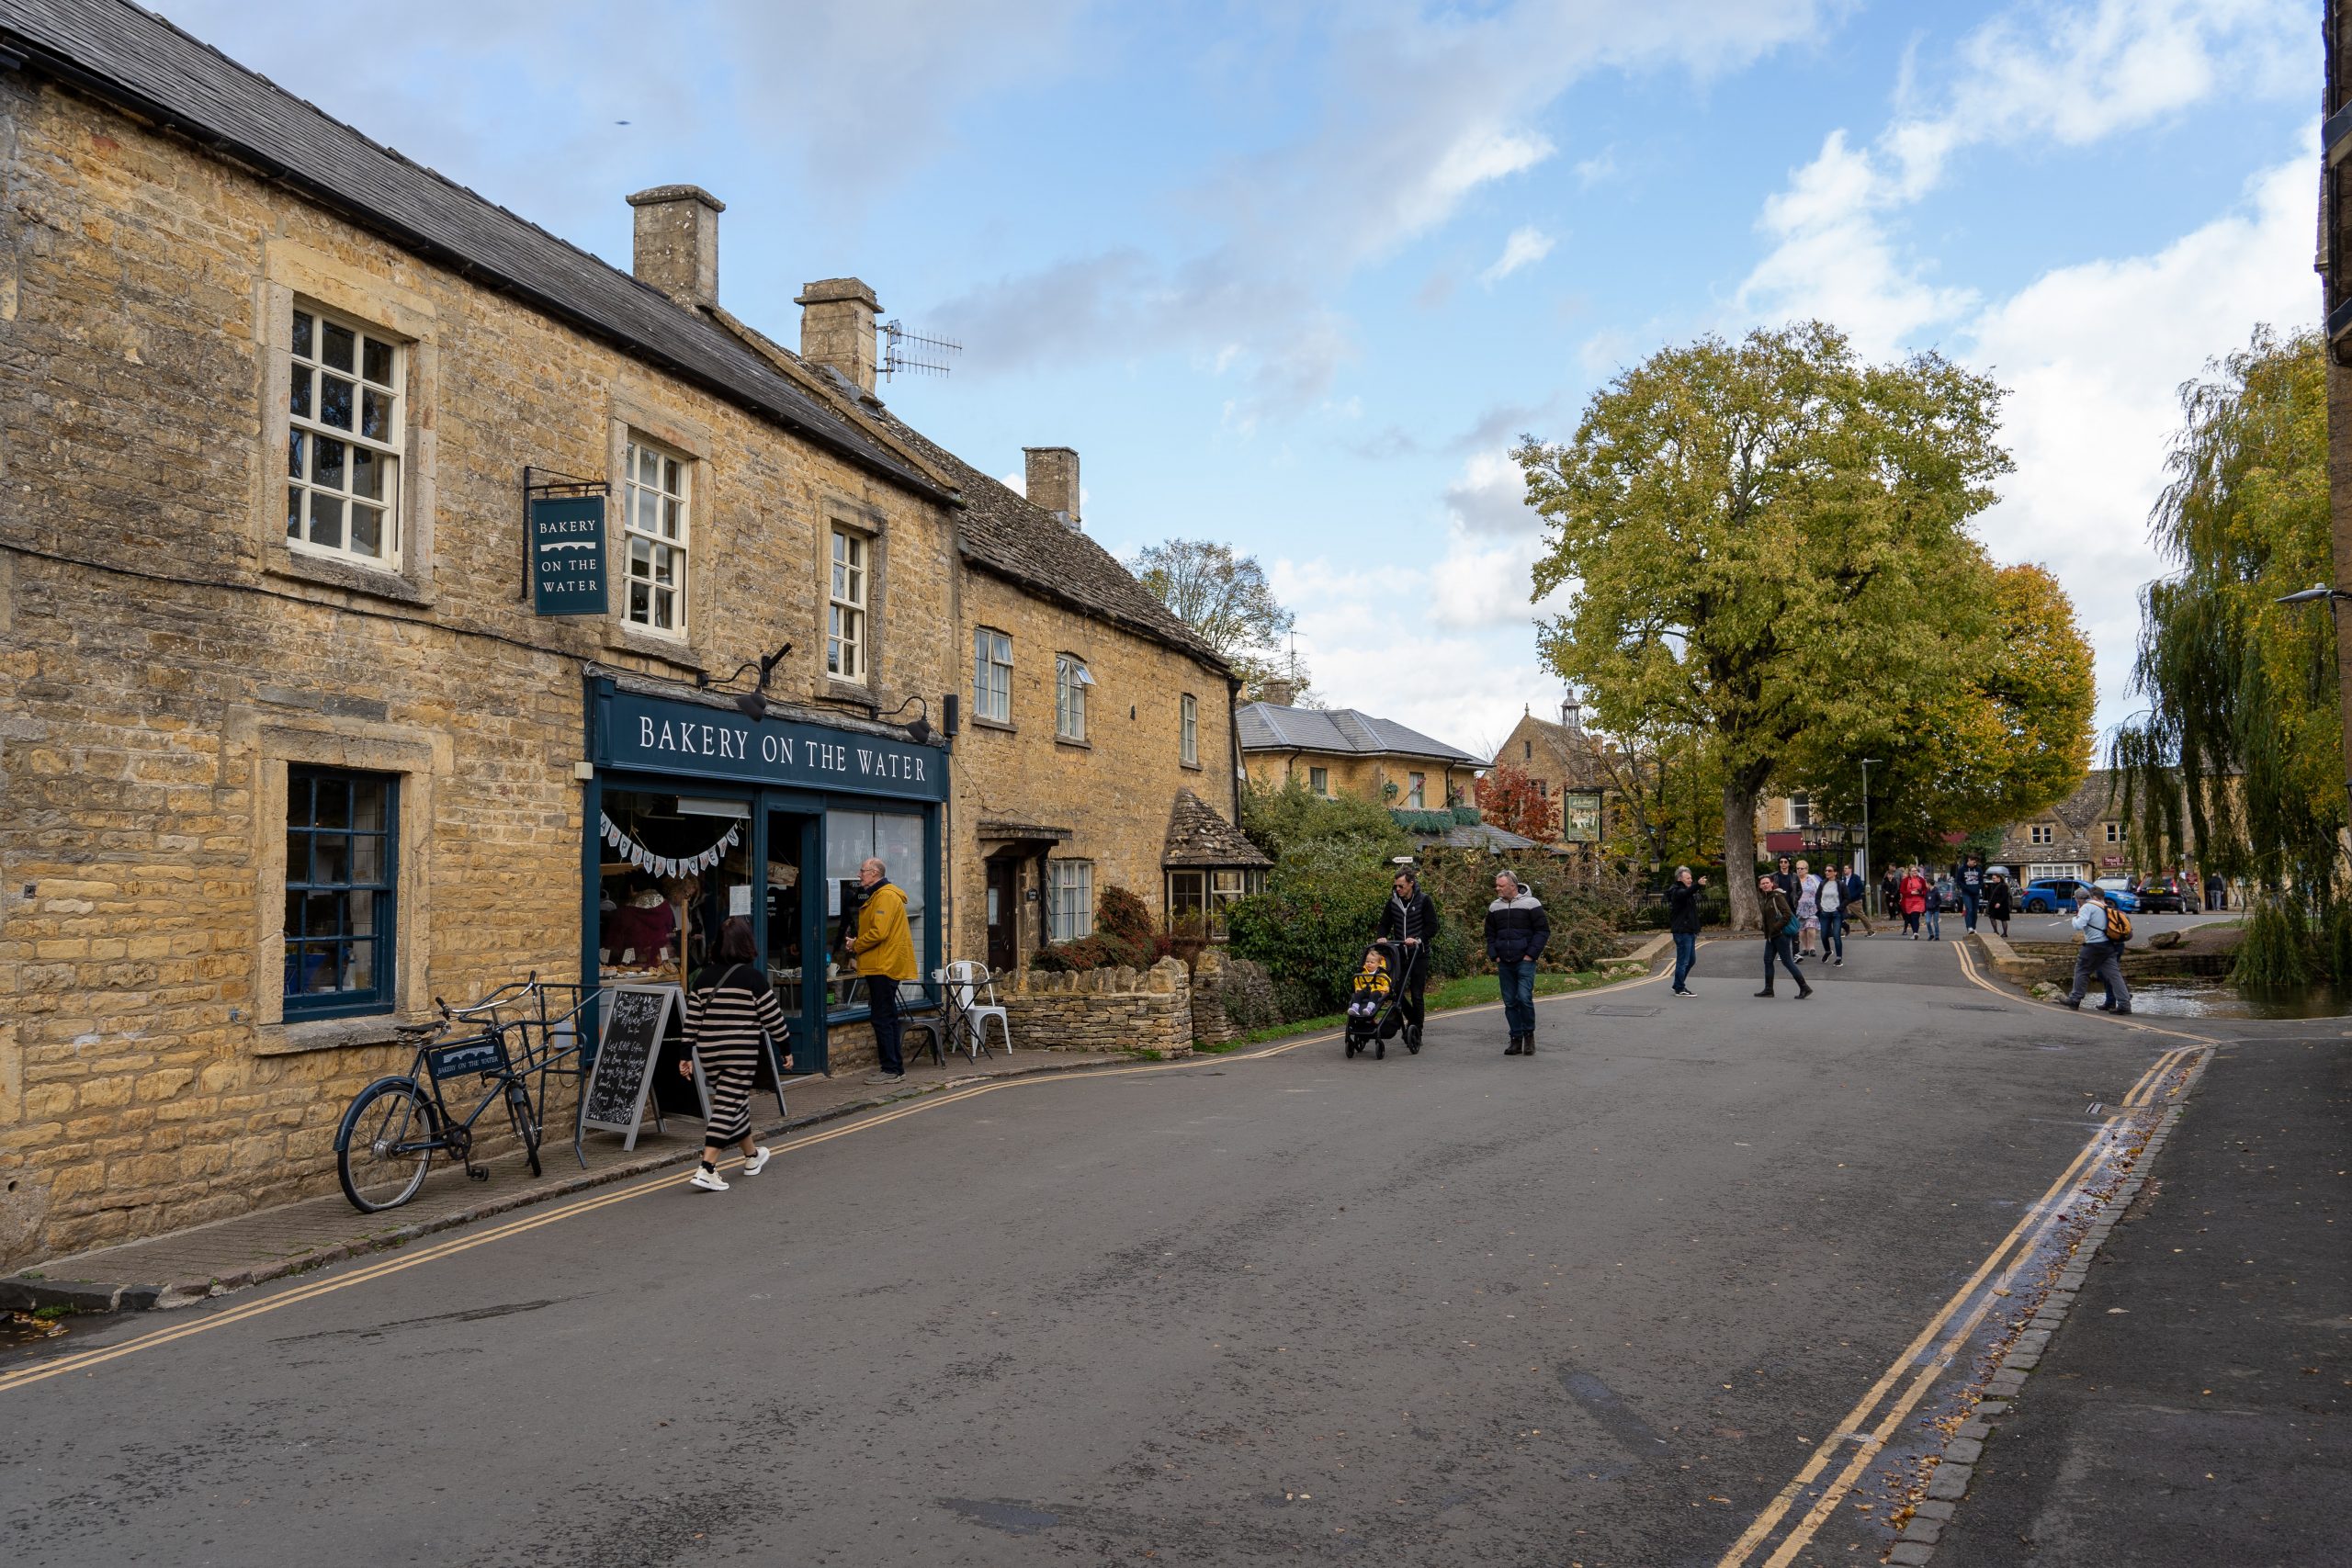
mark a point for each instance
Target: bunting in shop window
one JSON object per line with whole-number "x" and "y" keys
{"x": 637, "y": 855}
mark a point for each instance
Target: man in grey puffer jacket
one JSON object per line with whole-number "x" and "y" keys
{"x": 1517, "y": 932}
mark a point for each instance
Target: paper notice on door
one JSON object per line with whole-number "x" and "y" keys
{"x": 738, "y": 898}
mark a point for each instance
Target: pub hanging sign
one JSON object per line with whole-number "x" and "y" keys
{"x": 567, "y": 554}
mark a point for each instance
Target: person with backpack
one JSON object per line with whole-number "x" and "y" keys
{"x": 1779, "y": 919}
{"x": 1832, "y": 901}
{"x": 2105, "y": 930}
{"x": 731, "y": 1005}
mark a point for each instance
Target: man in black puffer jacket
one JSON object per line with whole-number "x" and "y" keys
{"x": 1517, "y": 932}
{"x": 1410, "y": 919}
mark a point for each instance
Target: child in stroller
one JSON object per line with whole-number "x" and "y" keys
{"x": 1374, "y": 1013}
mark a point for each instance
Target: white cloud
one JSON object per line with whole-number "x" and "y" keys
{"x": 2095, "y": 355}
{"x": 1490, "y": 497}
{"x": 1525, "y": 247}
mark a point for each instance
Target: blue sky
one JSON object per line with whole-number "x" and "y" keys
{"x": 1296, "y": 275}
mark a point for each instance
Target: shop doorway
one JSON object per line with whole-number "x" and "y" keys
{"x": 806, "y": 976}
{"x": 1004, "y": 913}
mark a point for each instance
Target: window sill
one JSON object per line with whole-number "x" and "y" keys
{"x": 996, "y": 724}
{"x": 1188, "y": 767}
{"x": 380, "y": 582}
{"x": 840, "y": 691}
{"x": 676, "y": 651}
{"x": 1074, "y": 745}
{"x": 328, "y": 1034}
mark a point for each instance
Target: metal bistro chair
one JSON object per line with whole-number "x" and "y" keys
{"x": 968, "y": 981}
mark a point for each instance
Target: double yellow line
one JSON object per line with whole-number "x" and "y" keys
{"x": 85, "y": 1360}
{"x": 1883, "y": 1407}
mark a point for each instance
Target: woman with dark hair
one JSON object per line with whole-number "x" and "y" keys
{"x": 731, "y": 1005}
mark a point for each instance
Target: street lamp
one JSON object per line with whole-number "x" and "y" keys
{"x": 1869, "y": 861}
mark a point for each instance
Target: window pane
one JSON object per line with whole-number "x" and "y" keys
{"x": 303, "y": 334}
{"x": 670, "y": 475}
{"x": 665, "y": 564}
{"x": 367, "y": 859}
{"x": 334, "y": 401}
{"x": 293, "y": 914}
{"x": 298, "y": 856}
{"x": 368, "y": 804}
{"x": 665, "y": 609}
{"x": 367, "y": 530}
{"x": 647, "y": 511}
{"x": 326, "y": 520}
{"x": 670, "y": 515}
{"x": 359, "y": 912}
{"x": 330, "y": 859}
{"x": 359, "y": 972}
{"x": 375, "y": 363}
{"x": 298, "y": 399}
{"x": 326, "y": 462}
{"x": 294, "y": 454}
{"x": 640, "y": 604}
{"x": 375, "y": 414}
{"x": 335, "y": 346}
{"x": 293, "y": 513}
{"x": 310, "y": 968}
{"x": 367, "y": 472}
{"x": 641, "y": 558}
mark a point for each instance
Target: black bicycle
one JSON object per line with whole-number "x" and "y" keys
{"x": 392, "y": 1129}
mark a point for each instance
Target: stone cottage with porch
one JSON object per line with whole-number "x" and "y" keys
{"x": 1334, "y": 751}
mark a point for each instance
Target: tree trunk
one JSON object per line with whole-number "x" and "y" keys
{"x": 1739, "y": 854}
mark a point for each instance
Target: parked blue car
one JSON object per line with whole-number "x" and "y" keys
{"x": 2055, "y": 895}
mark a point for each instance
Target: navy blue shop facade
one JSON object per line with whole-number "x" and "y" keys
{"x": 696, "y": 811}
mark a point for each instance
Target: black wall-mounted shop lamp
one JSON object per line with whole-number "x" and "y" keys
{"x": 919, "y": 727}
{"x": 753, "y": 704}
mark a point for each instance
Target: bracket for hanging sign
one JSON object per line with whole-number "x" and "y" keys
{"x": 563, "y": 542}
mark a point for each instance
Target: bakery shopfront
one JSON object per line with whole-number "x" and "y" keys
{"x": 696, "y": 810}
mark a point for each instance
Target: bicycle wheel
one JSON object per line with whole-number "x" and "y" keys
{"x": 527, "y": 1124}
{"x": 389, "y": 1135}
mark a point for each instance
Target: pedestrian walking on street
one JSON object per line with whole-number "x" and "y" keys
{"x": 885, "y": 956}
{"x": 1780, "y": 934}
{"x": 1784, "y": 877}
{"x": 1890, "y": 893}
{"x": 1938, "y": 897}
{"x": 731, "y": 1005}
{"x": 1682, "y": 920}
{"x": 1833, "y": 917}
{"x": 2217, "y": 892}
{"x": 1517, "y": 932}
{"x": 1997, "y": 904}
{"x": 1971, "y": 890}
{"x": 1410, "y": 919}
{"x": 1913, "y": 896}
{"x": 1808, "y": 912}
{"x": 1854, "y": 906}
{"x": 2100, "y": 955}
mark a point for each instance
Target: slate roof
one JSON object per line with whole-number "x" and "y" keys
{"x": 1198, "y": 836}
{"x": 137, "y": 59}
{"x": 1002, "y": 533}
{"x": 1265, "y": 727}
{"x": 1476, "y": 836}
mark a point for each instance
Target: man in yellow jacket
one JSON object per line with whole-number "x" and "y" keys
{"x": 886, "y": 955}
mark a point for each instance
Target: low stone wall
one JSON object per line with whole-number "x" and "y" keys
{"x": 1101, "y": 1009}
{"x": 1218, "y": 978}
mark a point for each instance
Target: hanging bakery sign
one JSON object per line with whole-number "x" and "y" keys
{"x": 637, "y": 855}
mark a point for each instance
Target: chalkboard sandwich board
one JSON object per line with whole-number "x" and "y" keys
{"x": 635, "y": 1020}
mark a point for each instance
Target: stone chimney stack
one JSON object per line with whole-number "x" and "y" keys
{"x": 837, "y": 328}
{"x": 1280, "y": 690}
{"x": 677, "y": 243}
{"x": 1053, "y": 480}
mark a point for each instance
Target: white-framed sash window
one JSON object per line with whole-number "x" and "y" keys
{"x": 992, "y": 676}
{"x": 346, "y": 438}
{"x": 845, "y": 610}
{"x": 657, "y": 522}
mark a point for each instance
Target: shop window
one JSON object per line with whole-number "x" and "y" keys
{"x": 1319, "y": 781}
{"x": 1417, "y": 787}
{"x": 992, "y": 675}
{"x": 1188, "y": 730}
{"x": 341, "y": 864}
{"x": 845, "y": 616}
{"x": 656, "y": 522}
{"x": 1227, "y": 888}
{"x": 896, "y": 839}
{"x": 345, "y": 440}
{"x": 1069, "y": 899}
{"x": 1070, "y": 681}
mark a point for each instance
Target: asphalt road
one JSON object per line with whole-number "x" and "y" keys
{"x": 1595, "y": 1306}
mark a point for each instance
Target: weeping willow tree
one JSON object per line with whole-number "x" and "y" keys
{"x": 2238, "y": 759}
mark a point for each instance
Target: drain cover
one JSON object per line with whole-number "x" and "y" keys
{"x": 1978, "y": 1007}
{"x": 1607, "y": 1010}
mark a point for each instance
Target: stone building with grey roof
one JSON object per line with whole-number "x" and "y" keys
{"x": 409, "y": 600}
{"x": 1334, "y": 751}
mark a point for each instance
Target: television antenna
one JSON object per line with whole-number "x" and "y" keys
{"x": 905, "y": 352}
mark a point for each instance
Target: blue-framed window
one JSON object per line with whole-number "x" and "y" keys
{"x": 342, "y": 871}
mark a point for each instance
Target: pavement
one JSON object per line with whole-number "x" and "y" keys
{"x": 1710, "y": 1282}
{"x": 2198, "y": 1407}
{"x": 182, "y": 1267}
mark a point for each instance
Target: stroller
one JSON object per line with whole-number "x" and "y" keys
{"x": 1376, "y": 1002}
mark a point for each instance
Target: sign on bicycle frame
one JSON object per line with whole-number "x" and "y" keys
{"x": 467, "y": 1058}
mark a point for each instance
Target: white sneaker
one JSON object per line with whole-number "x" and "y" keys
{"x": 757, "y": 1163}
{"x": 708, "y": 1182}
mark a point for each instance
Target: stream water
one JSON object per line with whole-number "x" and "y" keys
{"x": 2180, "y": 998}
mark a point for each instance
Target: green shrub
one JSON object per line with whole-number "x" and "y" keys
{"x": 2275, "y": 955}
{"x": 1431, "y": 823}
{"x": 1279, "y": 819}
{"x": 2339, "y": 945}
{"x": 1309, "y": 927}
{"x": 1294, "y": 1002}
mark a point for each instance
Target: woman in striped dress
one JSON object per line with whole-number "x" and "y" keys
{"x": 731, "y": 1005}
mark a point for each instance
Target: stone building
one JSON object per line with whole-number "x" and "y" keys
{"x": 310, "y": 712}
{"x": 1342, "y": 752}
{"x": 1567, "y": 766}
{"x": 2084, "y": 836}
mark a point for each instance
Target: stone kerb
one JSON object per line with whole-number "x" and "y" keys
{"x": 1120, "y": 1008}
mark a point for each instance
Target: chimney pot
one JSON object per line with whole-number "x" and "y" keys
{"x": 1280, "y": 692}
{"x": 677, "y": 243}
{"x": 837, "y": 328}
{"x": 1052, "y": 480}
